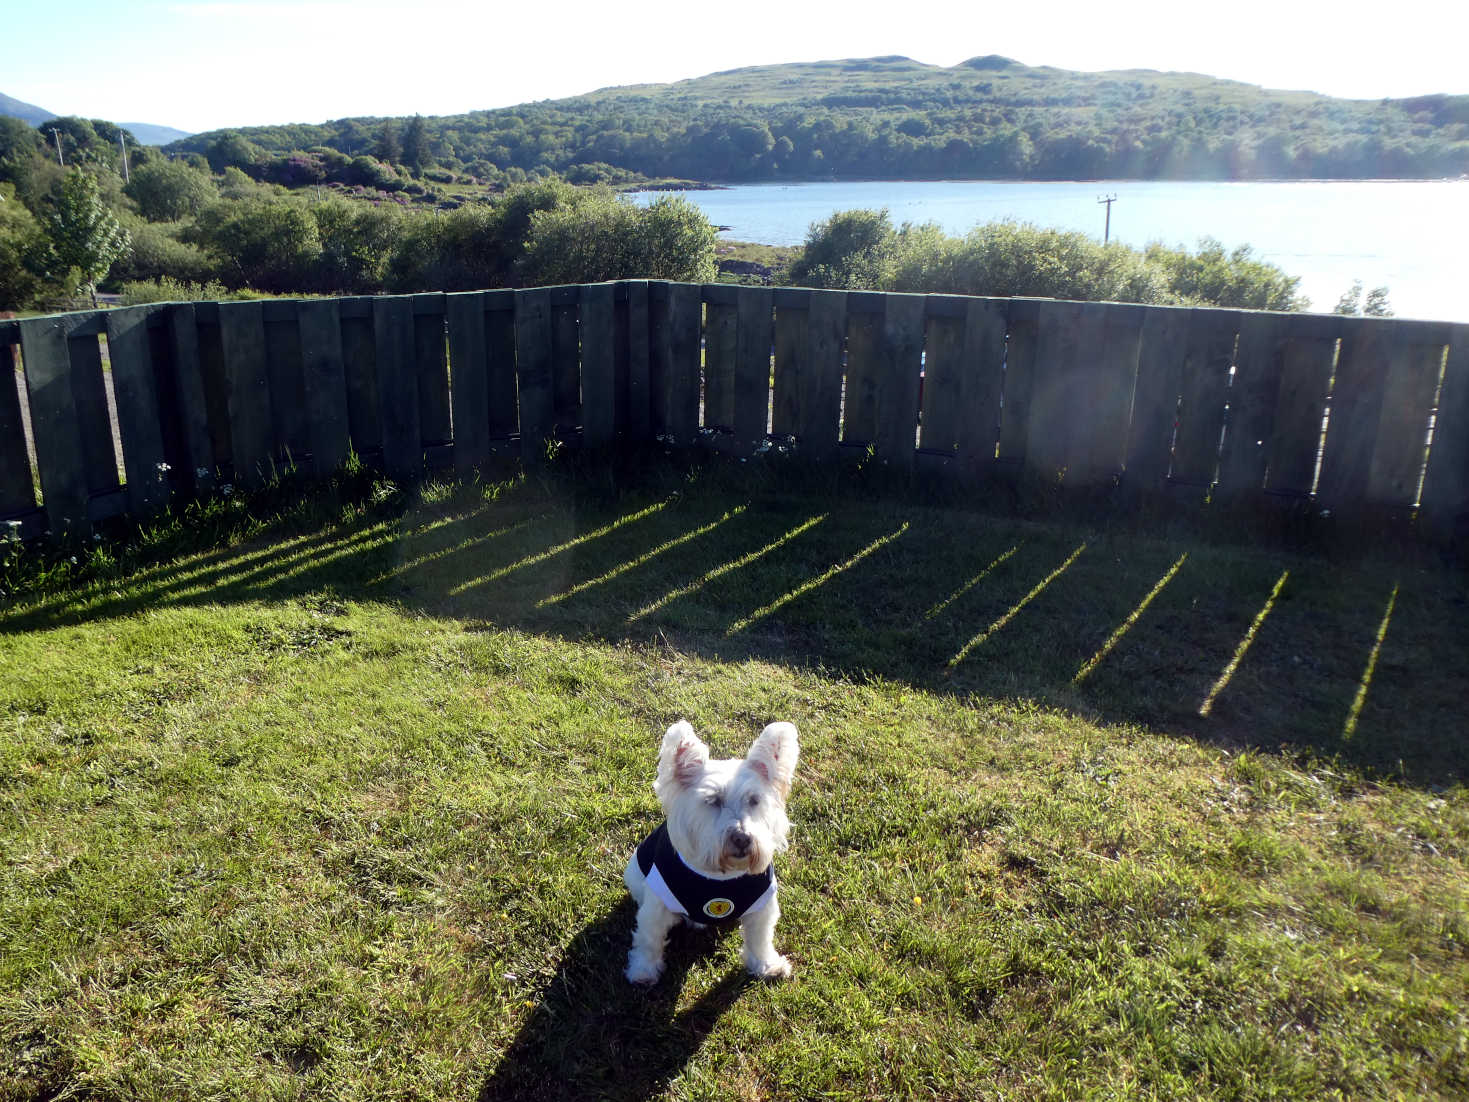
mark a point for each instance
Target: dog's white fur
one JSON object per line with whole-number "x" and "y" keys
{"x": 726, "y": 818}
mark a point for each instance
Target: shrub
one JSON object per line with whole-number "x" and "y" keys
{"x": 1218, "y": 278}
{"x": 166, "y": 191}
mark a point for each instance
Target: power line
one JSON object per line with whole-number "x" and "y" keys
{"x": 1107, "y": 233}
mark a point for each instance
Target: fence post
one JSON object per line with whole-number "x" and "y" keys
{"x": 464, "y": 314}
{"x": 533, "y": 370}
{"x": 900, "y": 370}
{"x": 43, "y": 343}
{"x": 397, "y": 385}
{"x": 247, "y": 388}
{"x": 17, "y": 494}
{"x": 134, "y": 390}
{"x": 324, "y": 376}
{"x": 1446, "y": 481}
{"x": 598, "y": 366}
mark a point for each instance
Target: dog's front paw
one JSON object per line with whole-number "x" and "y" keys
{"x": 642, "y": 970}
{"x": 772, "y": 968}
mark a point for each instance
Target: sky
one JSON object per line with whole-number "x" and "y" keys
{"x": 222, "y": 63}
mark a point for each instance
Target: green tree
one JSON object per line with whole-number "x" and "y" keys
{"x": 1351, "y": 304}
{"x": 600, "y": 236}
{"x": 167, "y": 191}
{"x": 84, "y": 235}
{"x": 415, "y": 145}
{"x": 21, "y": 246}
{"x": 267, "y": 244}
{"x": 851, "y": 249}
{"x": 1234, "y": 279}
{"x": 233, "y": 150}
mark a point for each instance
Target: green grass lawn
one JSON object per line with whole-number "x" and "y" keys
{"x": 341, "y": 810}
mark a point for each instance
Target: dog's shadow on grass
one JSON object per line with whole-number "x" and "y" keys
{"x": 593, "y": 1035}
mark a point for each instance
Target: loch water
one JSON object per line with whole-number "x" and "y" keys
{"x": 1410, "y": 235}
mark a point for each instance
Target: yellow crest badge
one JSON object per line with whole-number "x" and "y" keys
{"x": 718, "y": 908}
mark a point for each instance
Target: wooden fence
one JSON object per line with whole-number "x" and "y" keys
{"x": 1215, "y": 405}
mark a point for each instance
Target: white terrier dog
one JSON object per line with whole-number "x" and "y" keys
{"x": 710, "y": 861}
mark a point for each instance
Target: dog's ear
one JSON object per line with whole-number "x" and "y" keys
{"x": 682, "y": 759}
{"x": 774, "y": 755}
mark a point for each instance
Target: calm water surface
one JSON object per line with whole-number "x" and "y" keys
{"x": 1412, "y": 236}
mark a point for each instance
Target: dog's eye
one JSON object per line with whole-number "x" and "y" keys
{"x": 714, "y": 799}
{"x": 753, "y": 801}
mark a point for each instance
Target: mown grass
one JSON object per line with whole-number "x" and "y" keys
{"x": 340, "y": 810}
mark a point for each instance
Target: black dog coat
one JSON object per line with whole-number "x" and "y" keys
{"x": 700, "y": 898}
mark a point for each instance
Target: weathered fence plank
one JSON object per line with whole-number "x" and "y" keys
{"x": 1252, "y": 393}
{"x": 900, "y": 373}
{"x": 1294, "y": 443}
{"x": 639, "y": 394}
{"x": 1414, "y": 372}
{"x": 287, "y": 388}
{"x": 792, "y": 341}
{"x": 598, "y": 366}
{"x": 864, "y": 360}
{"x": 193, "y": 408}
{"x": 17, "y": 492}
{"x": 964, "y": 361}
{"x": 1356, "y": 403}
{"x": 500, "y": 344}
{"x": 1104, "y": 392}
{"x": 685, "y": 322}
{"x": 533, "y": 369}
{"x": 821, "y": 382}
{"x": 216, "y": 385}
{"x": 1446, "y": 481}
{"x": 752, "y": 367}
{"x": 430, "y": 355}
{"x": 94, "y": 413}
{"x": 1204, "y": 394}
{"x": 247, "y": 389}
{"x": 464, "y": 315}
{"x": 566, "y": 396}
{"x": 721, "y": 348}
{"x": 135, "y": 391}
{"x": 1155, "y": 397}
{"x": 359, "y": 359}
{"x": 1056, "y": 380}
{"x": 398, "y": 385}
{"x": 55, "y": 425}
{"x": 660, "y": 371}
{"x": 945, "y": 374}
{"x": 324, "y": 379}
{"x": 1020, "y": 367}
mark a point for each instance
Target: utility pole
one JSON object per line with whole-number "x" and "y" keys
{"x": 122, "y": 140}
{"x": 1109, "y": 200}
{"x": 57, "y": 135}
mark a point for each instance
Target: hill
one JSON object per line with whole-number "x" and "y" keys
{"x": 152, "y": 134}
{"x": 893, "y": 117}
{"x": 145, "y": 132}
{"x": 26, "y": 112}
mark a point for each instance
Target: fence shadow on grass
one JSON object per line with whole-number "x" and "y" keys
{"x": 594, "y": 1035}
{"x": 1362, "y": 662}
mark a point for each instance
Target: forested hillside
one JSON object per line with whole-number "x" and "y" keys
{"x": 892, "y": 117}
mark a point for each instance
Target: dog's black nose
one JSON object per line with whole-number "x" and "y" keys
{"x": 739, "y": 842}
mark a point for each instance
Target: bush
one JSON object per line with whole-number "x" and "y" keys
{"x": 272, "y": 244}
{"x": 166, "y": 191}
{"x": 21, "y": 246}
{"x": 1017, "y": 258}
{"x": 1226, "y": 279}
{"x": 357, "y": 242}
{"x": 599, "y": 236}
{"x": 157, "y": 252}
{"x": 165, "y": 289}
{"x": 851, "y": 249}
